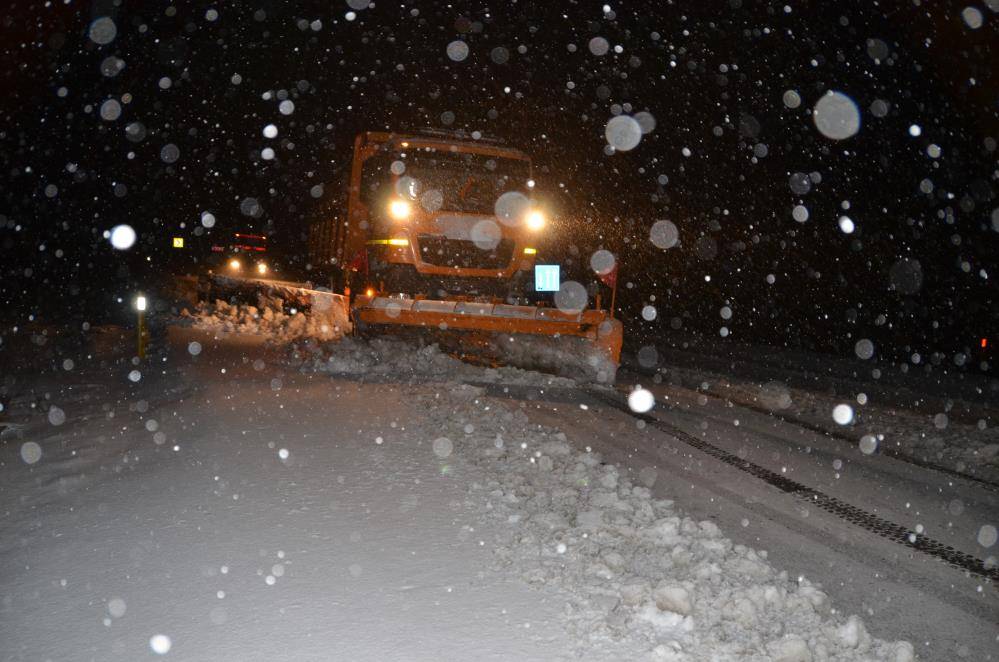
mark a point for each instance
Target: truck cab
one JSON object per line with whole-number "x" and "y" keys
{"x": 429, "y": 215}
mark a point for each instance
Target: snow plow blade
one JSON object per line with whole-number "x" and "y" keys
{"x": 583, "y": 345}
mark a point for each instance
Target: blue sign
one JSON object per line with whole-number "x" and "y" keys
{"x": 546, "y": 278}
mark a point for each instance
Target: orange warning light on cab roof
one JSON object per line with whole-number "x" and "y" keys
{"x": 985, "y": 343}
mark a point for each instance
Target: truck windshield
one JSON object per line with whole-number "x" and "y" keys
{"x": 449, "y": 181}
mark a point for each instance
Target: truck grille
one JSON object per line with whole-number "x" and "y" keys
{"x": 459, "y": 253}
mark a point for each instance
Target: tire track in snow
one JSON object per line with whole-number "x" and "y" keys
{"x": 889, "y": 452}
{"x": 893, "y": 453}
{"x": 857, "y": 516}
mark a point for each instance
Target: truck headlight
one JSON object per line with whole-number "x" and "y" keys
{"x": 535, "y": 220}
{"x": 235, "y": 264}
{"x": 400, "y": 210}
{"x": 261, "y": 268}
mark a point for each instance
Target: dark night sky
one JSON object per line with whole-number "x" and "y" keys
{"x": 713, "y": 75}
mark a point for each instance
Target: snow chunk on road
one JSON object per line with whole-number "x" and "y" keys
{"x": 672, "y": 598}
{"x": 853, "y": 634}
{"x": 792, "y": 649}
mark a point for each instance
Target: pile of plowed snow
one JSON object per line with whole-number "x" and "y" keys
{"x": 276, "y": 320}
{"x": 637, "y": 573}
{"x": 273, "y": 317}
{"x": 395, "y": 358}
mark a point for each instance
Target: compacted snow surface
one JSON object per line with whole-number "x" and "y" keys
{"x": 229, "y": 508}
{"x": 932, "y": 414}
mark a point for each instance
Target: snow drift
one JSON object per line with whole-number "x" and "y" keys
{"x": 281, "y": 315}
{"x": 641, "y": 578}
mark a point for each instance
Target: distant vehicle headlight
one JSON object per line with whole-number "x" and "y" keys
{"x": 400, "y": 210}
{"x": 235, "y": 264}
{"x": 261, "y": 268}
{"x": 535, "y": 220}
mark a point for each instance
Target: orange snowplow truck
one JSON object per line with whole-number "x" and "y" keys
{"x": 439, "y": 242}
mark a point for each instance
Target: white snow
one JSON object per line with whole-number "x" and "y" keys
{"x": 122, "y": 237}
{"x": 281, "y": 321}
{"x": 274, "y": 317}
{"x": 896, "y": 408}
{"x": 641, "y": 400}
{"x": 284, "y": 515}
{"x": 643, "y": 580}
{"x": 160, "y": 644}
{"x": 311, "y": 521}
{"x": 842, "y": 414}
{"x": 390, "y": 357}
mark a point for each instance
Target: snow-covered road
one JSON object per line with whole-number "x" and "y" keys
{"x": 278, "y": 516}
{"x": 948, "y": 613}
{"x": 240, "y": 508}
